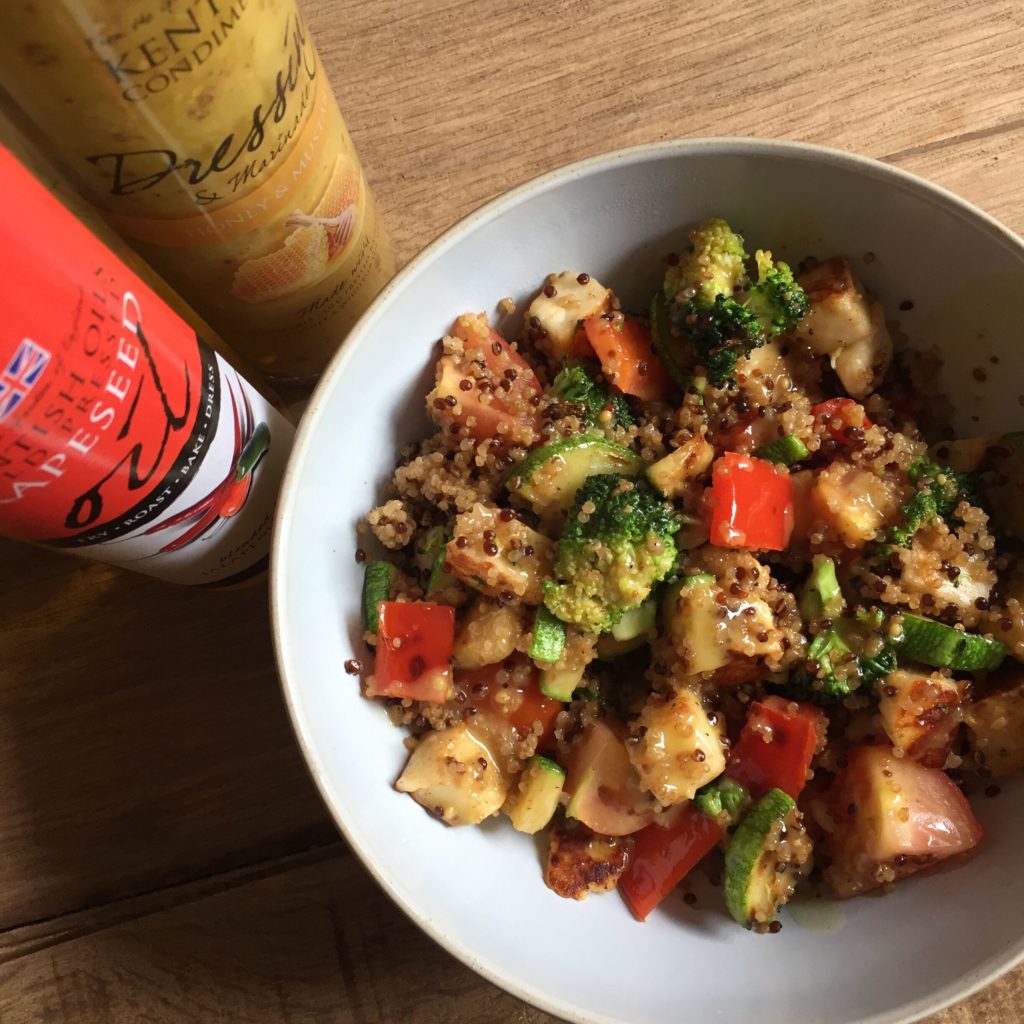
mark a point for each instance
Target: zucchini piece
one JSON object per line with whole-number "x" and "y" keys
{"x": 933, "y": 643}
{"x": 608, "y": 648}
{"x": 671, "y": 474}
{"x": 606, "y": 794}
{"x": 786, "y": 450}
{"x": 427, "y": 545}
{"x": 697, "y": 577}
{"x": 549, "y": 477}
{"x": 431, "y": 555}
{"x": 664, "y": 345}
{"x": 768, "y": 855}
{"x": 377, "y": 580}
{"x": 559, "y": 683}
{"x": 548, "y": 636}
{"x": 636, "y": 622}
{"x": 821, "y": 594}
{"x": 533, "y": 802}
{"x": 439, "y": 578}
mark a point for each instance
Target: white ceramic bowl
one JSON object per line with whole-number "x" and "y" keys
{"x": 478, "y": 891}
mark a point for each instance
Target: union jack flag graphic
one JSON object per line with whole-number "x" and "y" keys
{"x": 20, "y": 375}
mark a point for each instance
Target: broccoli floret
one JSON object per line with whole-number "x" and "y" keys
{"x": 872, "y": 622}
{"x": 578, "y": 385}
{"x": 775, "y": 298}
{"x": 828, "y": 649}
{"x": 617, "y": 543}
{"x": 723, "y": 800}
{"x": 714, "y": 266}
{"x": 717, "y": 312}
{"x": 920, "y": 510}
{"x": 720, "y": 333}
{"x": 872, "y": 669}
{"x": 939, "y": 492}
{"x": 946, "y": 485}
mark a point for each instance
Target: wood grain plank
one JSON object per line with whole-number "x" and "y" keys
{"x": 986, "y": 171}
{"x": 316, "y": 944}
{"x": 143, "y": 739}
{"x": 452, "y": 103}
{"x": 23, "y": 940}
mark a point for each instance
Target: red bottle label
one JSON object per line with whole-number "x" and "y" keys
{"x": 116, "y": 422}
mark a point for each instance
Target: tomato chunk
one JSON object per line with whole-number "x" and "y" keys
{"x": 840, "y": 415}
{"x": 894, "y": 817}
{"x": 414, "y": 650}
{"x": 605, "y": 792}
{"x": 509, "y": 692}
{"x": 623, "y": 346}
{"x": 505, "y": 378}
{"x": 751, "y": 504}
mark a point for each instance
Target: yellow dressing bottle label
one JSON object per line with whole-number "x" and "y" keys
{"x": 276, "y": 189}
{"x": 207, "y": 132}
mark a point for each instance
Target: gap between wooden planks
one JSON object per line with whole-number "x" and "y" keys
{"x": 314, "y": 942}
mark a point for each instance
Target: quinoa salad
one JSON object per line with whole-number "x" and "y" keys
{"x": 704, "y": 580}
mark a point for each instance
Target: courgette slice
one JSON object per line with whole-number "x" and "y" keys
{"x": 697, "y": 578}
{"x": 821, "y": 594}
{"x": 786, "y": 450}
{"x": 533, "y": 802}
{"x": 673, "y": 473}
{"x": 439, "y": 577}
{"x": 608, "y": 648}
{"x": 377, "y": 580}
{"x": 549, "y": 477}
{"x": 664, "y": 345}
{"x": 548, "y": 636}
{"x": 636, "y": 621}
{"x": 768, "y": 855}
{"x": 560, "y": 683}
{"x": 431, "y": 555}
{"x": 936, "y": 644}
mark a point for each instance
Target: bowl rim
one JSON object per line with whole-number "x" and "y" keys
{"x": 958, "y": 989}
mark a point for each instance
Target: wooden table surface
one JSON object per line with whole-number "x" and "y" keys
{"x": 163, "y": 856}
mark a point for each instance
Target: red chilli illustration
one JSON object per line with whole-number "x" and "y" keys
{"x": 228, "y": 498}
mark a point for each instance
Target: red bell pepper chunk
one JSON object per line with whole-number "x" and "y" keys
{"x": 623, "y": 346}
{"x": 580, "y": 348}
{"x": 663, "y": 857}
{"x": 414, "y": 650}
{"x": 839, "y": 415}
{"x": 751, "y": 503}
{"x": 774, "y": 751}
{"x": 814, "y": 714}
